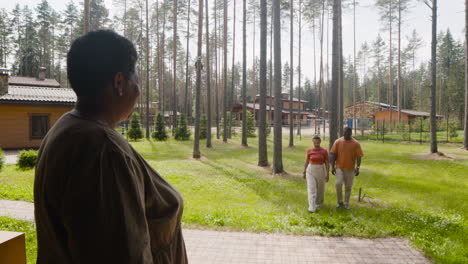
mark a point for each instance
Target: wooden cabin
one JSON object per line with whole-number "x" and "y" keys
{"x": 29, "y": 107}
{"x": 407, "y": 116}
{"x": 364, "y": 110}
{"x": 297, "y": 105}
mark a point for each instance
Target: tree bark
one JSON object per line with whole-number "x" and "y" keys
{"x": 262, "y": 144}
{"x": 390, "y": 68}
{"x": 216, "y": 68}
{"x": 147, "y": 74}
{"x": 299, "y": 69}
{"x": 231, "y": 95}
{"x": 208, "y": 79}
{"x": 244, "y": 74}
{"x": 335, "y": 74}
{"x": 198, "y": 65}
{"x": 399, "y": 63}
{"x": 86, "y": 16}
{"x": 354, "y": 68}
{"x": 186, "y": 110}
{"x": 465, "y": 141}
{"x": 321, "y": 82}
{"x": 291, "y": 77}
{"x": 277, "y": 149}
{"x": 341, "y": 75}
{"x": 225, "y": 135}
{"x": 433, "y": 123}
{"x": 174, "y": 65}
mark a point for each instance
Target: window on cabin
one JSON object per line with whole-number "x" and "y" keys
{"x": 39, "y": 126}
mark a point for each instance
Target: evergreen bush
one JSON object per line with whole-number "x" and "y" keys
{"x": 182, "y": 132}
{"x": 27, "y": 159}
{"x": 135, "y": 132}
{"x": 203, "y": 127}
{"x": 251, "y": 125}
{"x": 2, "y": 159}
{"x": 160, "y": 133}
{"x": 452, "y": 130}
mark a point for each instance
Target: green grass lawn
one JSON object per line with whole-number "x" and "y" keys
{"x": 405, "y": 194}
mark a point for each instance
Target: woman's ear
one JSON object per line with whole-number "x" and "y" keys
{"x": 119, "y": 82}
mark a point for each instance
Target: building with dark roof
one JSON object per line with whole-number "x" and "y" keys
{"x": 299, "y": 113}
{"x": 407, "y": 116}
{"x": 29, "y": 107}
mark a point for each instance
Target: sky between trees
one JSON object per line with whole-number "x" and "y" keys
{"x": 368, "y": 26}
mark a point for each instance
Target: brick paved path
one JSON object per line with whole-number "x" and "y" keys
{"x": 206, "y": 246}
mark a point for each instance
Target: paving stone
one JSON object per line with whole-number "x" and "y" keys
{"x": 207, "y": 246}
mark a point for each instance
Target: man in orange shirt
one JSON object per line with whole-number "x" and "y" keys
{"x": 345, "y": 152}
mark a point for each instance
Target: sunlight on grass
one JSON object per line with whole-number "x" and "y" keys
{"x": 423, "y": 200}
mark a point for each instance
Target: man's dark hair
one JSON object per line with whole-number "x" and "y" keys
{"x": 95, "y": 58}
{"x": 348, "y": 129}
{"x": 317, "y": 137}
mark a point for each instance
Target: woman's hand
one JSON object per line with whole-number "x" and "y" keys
{"x": 327, "y": 177}
{"x": 304, "y": 175}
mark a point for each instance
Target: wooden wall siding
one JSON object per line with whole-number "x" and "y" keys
{"x": 362, "y": 110}
{"x": 385, "y": 116}
{"x": 295, "y": 105}
{"x": 15, "y": 123}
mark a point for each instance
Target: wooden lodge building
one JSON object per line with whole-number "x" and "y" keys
{"x": 380, "y": 112}
{"x": 254, "y": 108}
{"x": 29, "y": 106}
{"x": 407, "y": 116}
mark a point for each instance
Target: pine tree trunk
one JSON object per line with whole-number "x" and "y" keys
{"x": 270, "y": 118}
{"x": 216, "y": 68}
{"x": 321, "y": 82}
{"x": 147, "y": 74}
{"x": 299, "y": 69}
{"x": 465, "y": 141}
{"x": 158, "y": 43}
{"x": 163, "y": 55}
{"x": 86, "y": 15}
{"x": 399, "y": 63}
{"x": 244, "y": 74}
{"x": 390, "y": 68}
{"x": 231, "y": 95}
{"x": 198, "y": 64}
{"x": 262, "y": 144}
{"x": 174, "y": 65}
{"x": 291, "y": 73}
{"x": 354, "y": 68}
{"x": 208, "y": 78}
{"x": 225, "y": 92}
{"x": 341, "y": 78}
{"x": 433, "y": 123}
{"x": 277, "y": 140}
{"x": 335, "y": 74}
{"x": 186, "y": 110}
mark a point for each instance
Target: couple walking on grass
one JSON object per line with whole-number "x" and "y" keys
{"x": 345, "y": 160}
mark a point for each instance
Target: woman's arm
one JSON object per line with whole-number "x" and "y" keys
{"x": 305, "y": 166}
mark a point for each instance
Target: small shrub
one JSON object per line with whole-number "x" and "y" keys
{"x": 251, "y": 125}
{"x": 452, "y": 130}
{"x": 27, "y": 159}
{"x": 404, "y": 131}
{"x": 182, "y": 132}
{"x": 2, "y": 159}
{"x": 203, "y": 127}
{"x": 135, "y": 131}
{"x": 160, "y": 133}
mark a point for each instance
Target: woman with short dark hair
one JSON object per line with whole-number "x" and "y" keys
{"x": 316, "y": 170}
{"x": 96, "y": 199}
